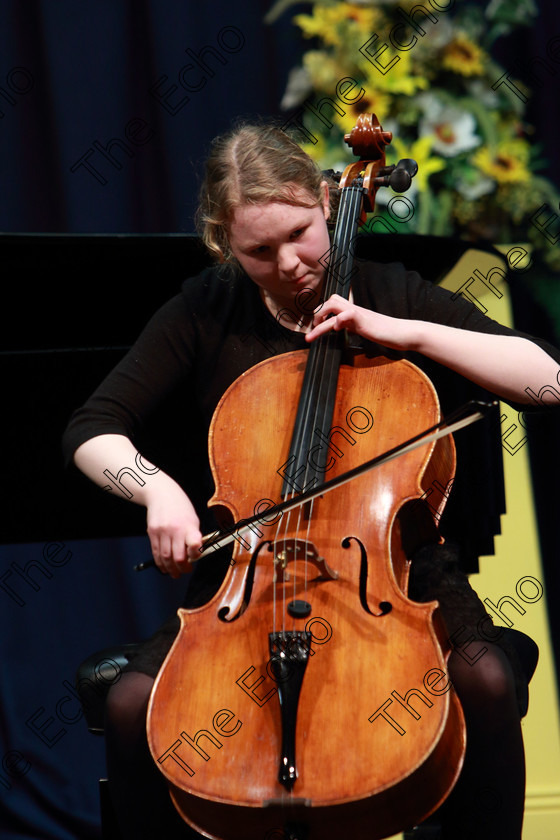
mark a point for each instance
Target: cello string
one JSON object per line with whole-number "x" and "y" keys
{"x": 325, "y": 364}
{"x": 349, "y": 213}
{"x": 281, "y": 565}
{"x": 323, "y": 368}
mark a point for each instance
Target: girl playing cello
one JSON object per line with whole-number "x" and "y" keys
{"x": 263, "y": 214}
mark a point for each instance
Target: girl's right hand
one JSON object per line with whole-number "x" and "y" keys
{"x": 173, "y": 527}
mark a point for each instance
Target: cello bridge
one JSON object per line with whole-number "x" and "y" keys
{"x": 288, "y": 551}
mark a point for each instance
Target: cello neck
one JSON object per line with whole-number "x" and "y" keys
{"x": 318, "y": 394}
{"x": 340, "y": 269}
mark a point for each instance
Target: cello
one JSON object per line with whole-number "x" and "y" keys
{"x": 309, "y": 697}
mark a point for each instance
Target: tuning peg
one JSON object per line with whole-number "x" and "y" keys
{"x": 397, "y": 177}
{"x": 402, "y": 175}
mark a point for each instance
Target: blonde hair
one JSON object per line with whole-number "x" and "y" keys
{"x": 252, "y": 164}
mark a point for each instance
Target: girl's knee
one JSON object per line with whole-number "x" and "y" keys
{"x": 486, "y": 688}
{"x": 127, "y": 702}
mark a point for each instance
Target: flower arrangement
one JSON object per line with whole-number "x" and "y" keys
{"x": 433, "y": 84}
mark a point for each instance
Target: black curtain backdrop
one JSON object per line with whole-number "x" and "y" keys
{"x": 103, "y": 136}
{"x": 99, "y": 135}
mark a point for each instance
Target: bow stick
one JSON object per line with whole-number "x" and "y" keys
{"x": 469, "y": 413}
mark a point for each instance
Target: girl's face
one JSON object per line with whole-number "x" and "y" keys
{"x": 279, "y": 246}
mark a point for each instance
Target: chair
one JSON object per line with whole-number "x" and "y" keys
{"x": 94, "y": 678}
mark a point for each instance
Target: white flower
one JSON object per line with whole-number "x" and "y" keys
{"x": 453, "y": 129}
{"x": 430, "y": 104}
{"x": 298, "y": 88}
{"x": 482, "y": 186}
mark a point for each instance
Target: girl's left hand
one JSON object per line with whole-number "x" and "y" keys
{"x": 337, "y": 313}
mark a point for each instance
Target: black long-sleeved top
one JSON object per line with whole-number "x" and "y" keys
{"x": 202, "y": 339}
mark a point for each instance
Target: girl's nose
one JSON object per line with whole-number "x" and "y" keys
{"x": 288, "y": 259}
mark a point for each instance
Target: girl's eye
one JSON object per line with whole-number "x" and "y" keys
{"x": 262, "y": 249}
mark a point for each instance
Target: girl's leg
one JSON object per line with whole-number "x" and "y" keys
{"x": 138, "y": 790}
{"x": 488, "y": 800}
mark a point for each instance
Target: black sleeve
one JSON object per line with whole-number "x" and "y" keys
{"x": 392, "y": 290}
{"x": 157, "y": 363}
{"x": 428, "y": 302}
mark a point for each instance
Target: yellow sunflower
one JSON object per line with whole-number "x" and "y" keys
{"x": 373, "y": 102}
{"x": 365, "y": 18}
{"x": 324, "y": 71}
{"x": 507, "y": 164}
{"x": 327, "y": 22}
{"x": 463, "y": 56}
{"x": 399, "y": 79}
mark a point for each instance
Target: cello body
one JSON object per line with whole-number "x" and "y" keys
{"x": 377, "y": 732}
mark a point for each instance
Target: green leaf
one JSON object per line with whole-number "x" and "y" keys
{"x": 514, "y": 12}
{"x": 484, "y": 117}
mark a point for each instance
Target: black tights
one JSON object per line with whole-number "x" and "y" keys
{"x": 138, "y": 789}
{"x": 488, "y": 799}
{"x": 486, "y": 803}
